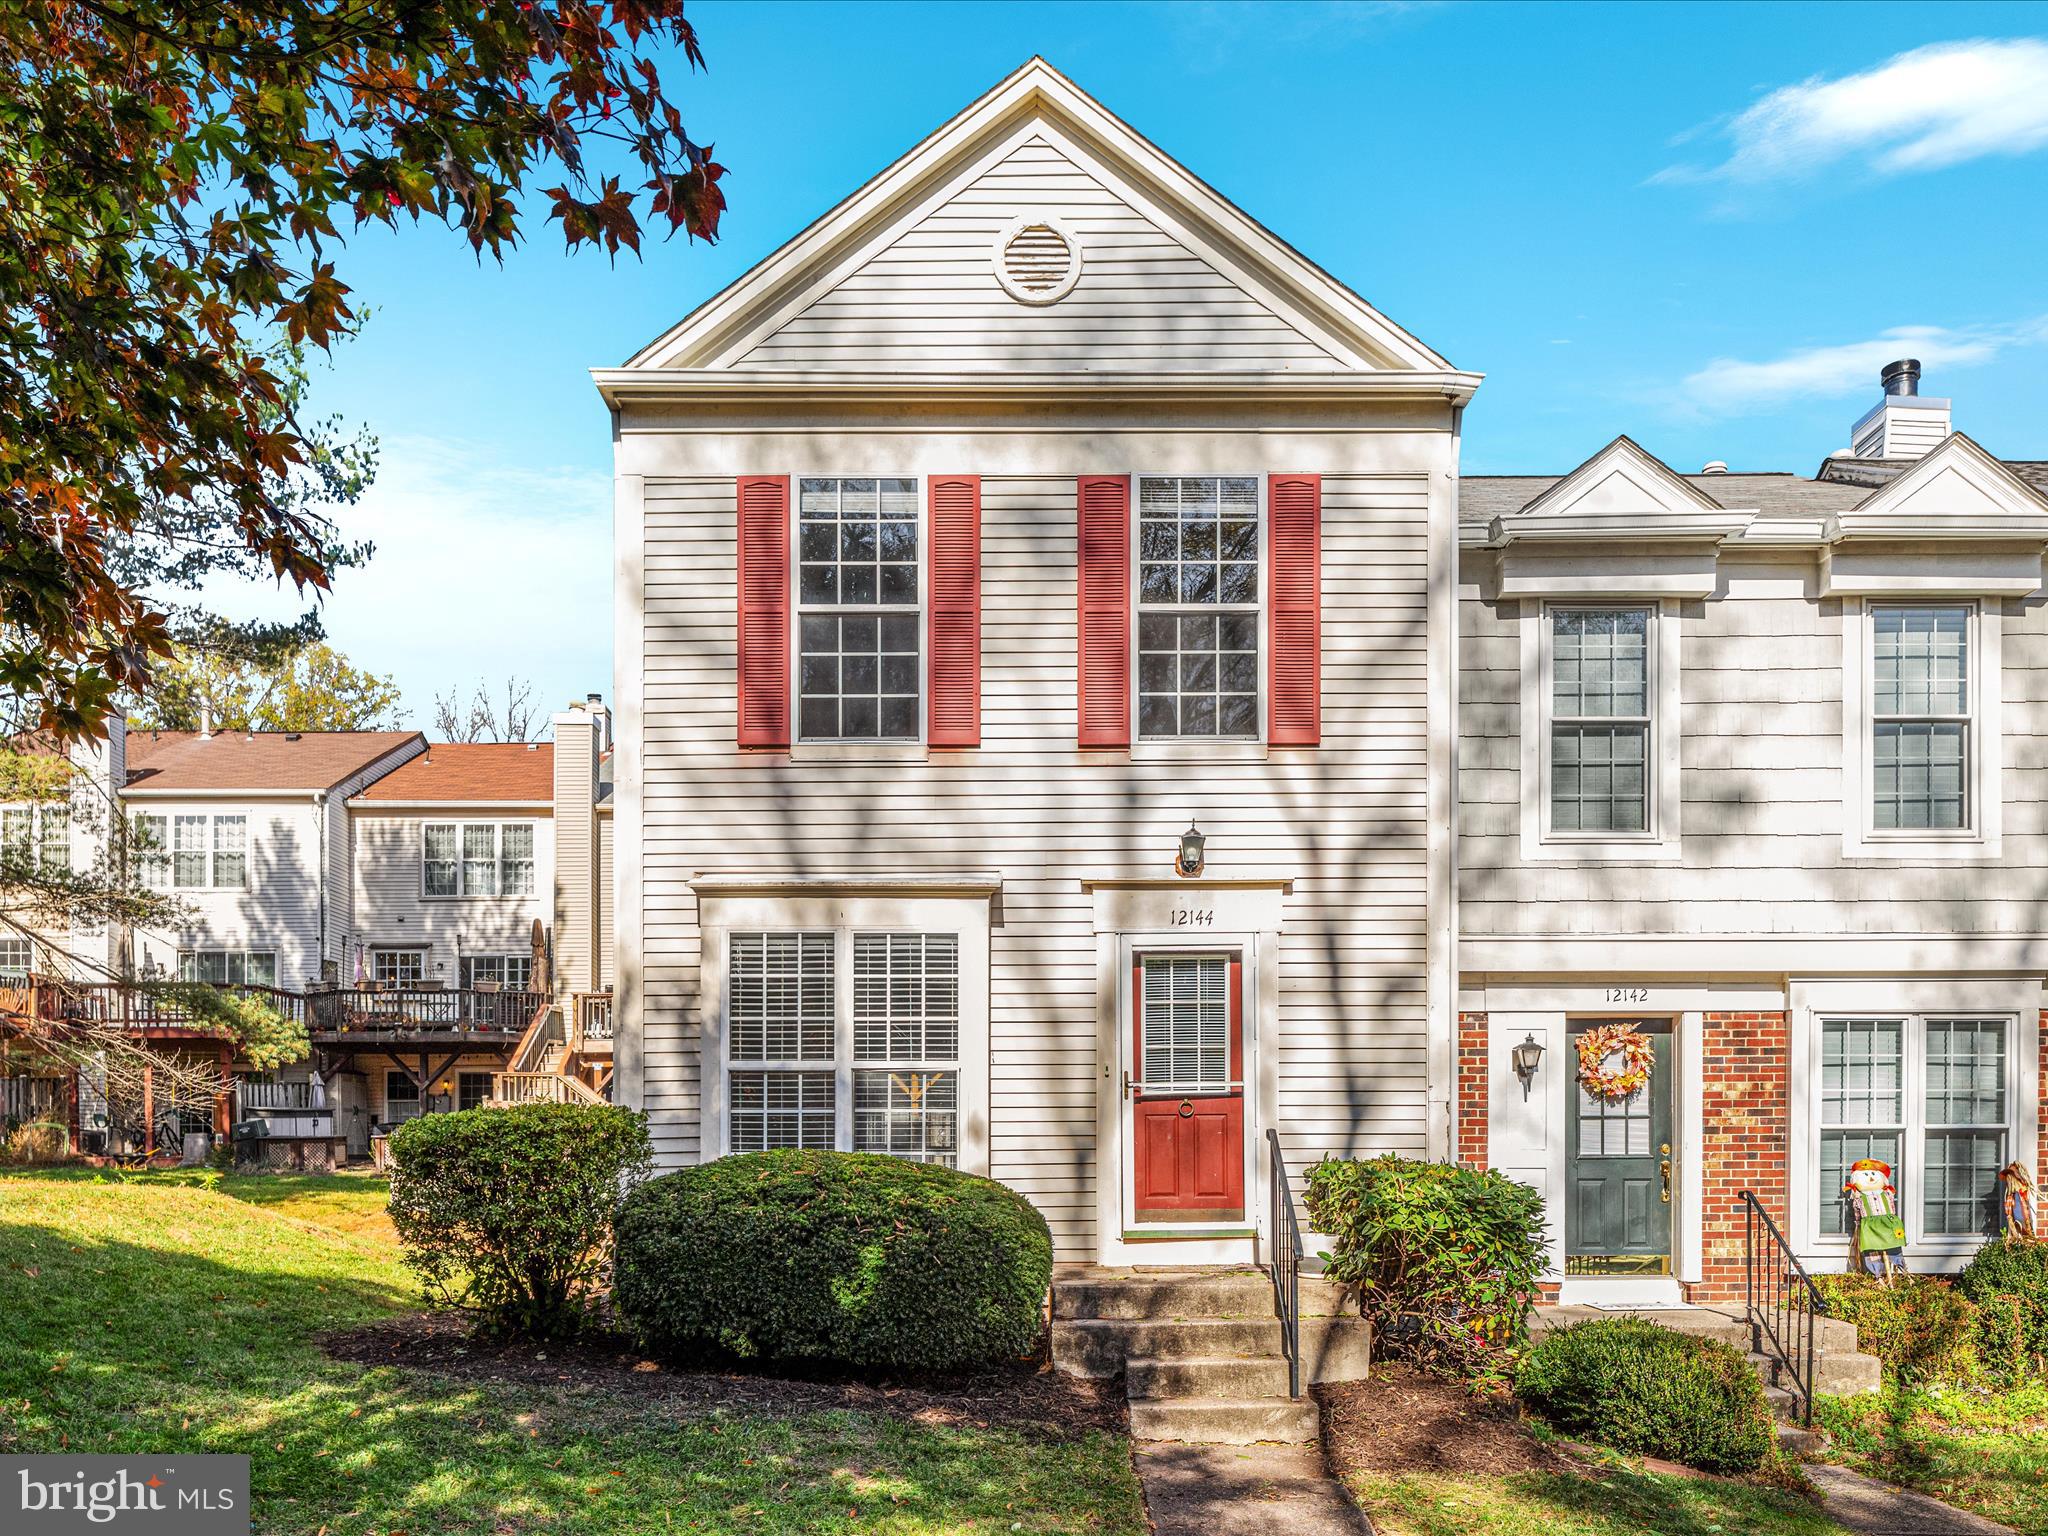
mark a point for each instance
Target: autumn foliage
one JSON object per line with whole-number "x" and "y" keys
{"x": 174, "y": 182}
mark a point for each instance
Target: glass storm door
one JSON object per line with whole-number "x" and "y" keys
{"x": 1187, "y": 1118}
{"x": 1618, "y": 1169}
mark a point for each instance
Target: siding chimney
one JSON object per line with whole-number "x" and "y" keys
{"x": 579, "y": 743}
{"x": 1905, "y": 424}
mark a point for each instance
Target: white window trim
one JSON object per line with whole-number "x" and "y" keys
{"x": 1661, "y": 841}
{"x": 1984, "y": 751}
{"x": 2017, "y": 1000}
{"x": 497, "y": 827}
{"x": 888, "y": 749}
{"x": 1183, "y": 748}
{"x": 968, "y": 917}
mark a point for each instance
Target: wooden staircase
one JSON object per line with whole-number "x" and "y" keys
{"x": 1201, "y": 1350}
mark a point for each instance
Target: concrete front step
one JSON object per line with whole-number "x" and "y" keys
{"x": 1199, "y": 1376}
{"x": 1836, "y": 1374}
{"x": 1085, "y": 1293}
{"x": 1226, "y": 1421}
{"x": 1332, "y": 1348}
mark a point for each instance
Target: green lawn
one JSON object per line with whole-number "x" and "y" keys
{"x": 1614, "y": 1499}
{"x": 179, "y": 1311}
{"x": 1981, "y": 1451}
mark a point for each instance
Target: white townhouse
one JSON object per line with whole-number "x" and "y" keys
{"x": 250, "y": 831}
{"x": 1758, "y": 762}
{"x": 1029, "y": 511}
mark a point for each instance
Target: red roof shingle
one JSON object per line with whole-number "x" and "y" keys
{"x": 468, "y": 773}
{"x": 258, "y": 760}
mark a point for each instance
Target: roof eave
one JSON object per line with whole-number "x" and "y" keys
{"x": 666, "y": 386}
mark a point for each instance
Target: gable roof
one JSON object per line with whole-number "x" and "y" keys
{"x": 470, "y": 773}
{"x": 301, "y": 761}
{"x": 1621, "y": 490}
{"x": 1035, "y": 101}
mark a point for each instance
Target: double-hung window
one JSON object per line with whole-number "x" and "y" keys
{"x": 151, "y": 842}
{"x": 37, "y": 836}
{"x": 1920, "y": 718}
{"x": 845, "y": 1039}
{"x": 17, "y": 958}
{"x": 512, "y": 973}
{"x": 1600, "y": 720}
{"x": 1198, "y": 606}
{"x": 205, "y": 851}
{"x": 859, "y": 600}
{"x": 229, "y": 967}
{"x": 1931, "y": 1097}
{"x": 476, "y": 858}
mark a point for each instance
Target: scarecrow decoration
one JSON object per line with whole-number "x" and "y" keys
{"x": 1614, "y": 1061}
{"x": 1880, "y": 1235}
{"x": 2016, "y": 1216}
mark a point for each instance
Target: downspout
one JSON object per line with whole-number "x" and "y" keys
{"x": 1451, "y": 808}
{"x": 320, "y": 833}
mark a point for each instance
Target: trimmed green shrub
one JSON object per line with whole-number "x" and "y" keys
{"x": 837, "y": 1257}
{"x": 1919, "y": 1326}
{"x": 1628, "y": 1383}
{"x": 509, "y": 1211}
{"x": 1444, "y": 1258}
{"x": 2008, "y": 1283}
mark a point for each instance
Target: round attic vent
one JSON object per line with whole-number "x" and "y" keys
{"x": 1038, "y": 260}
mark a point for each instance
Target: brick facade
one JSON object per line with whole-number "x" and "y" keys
{"x": 2041, "y": 1057}
{"x": 1473, "y": 1106}
{"x": 1745, "y": 1136}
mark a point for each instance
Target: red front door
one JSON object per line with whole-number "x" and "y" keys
{"x": 1187, "y": 1121}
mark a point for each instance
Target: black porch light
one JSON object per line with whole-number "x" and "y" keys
{"x": 1528, "y": 1058}
{"x": 1189, "y": 861}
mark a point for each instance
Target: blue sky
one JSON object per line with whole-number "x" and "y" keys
{"x": 1701, "y": 225}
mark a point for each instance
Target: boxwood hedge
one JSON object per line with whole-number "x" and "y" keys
{"x": 832, "y": 1257}
{"x": 2007, "y": 1281}
{"x": 1628, "y": 1383}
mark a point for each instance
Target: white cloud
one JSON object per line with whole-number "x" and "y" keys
{"x": 1730, "y": 386}
{"x": 482, "y": 570}
{"x": 1918, "y": 111}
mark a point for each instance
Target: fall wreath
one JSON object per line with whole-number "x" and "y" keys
{"x": 1597, "y": 1047}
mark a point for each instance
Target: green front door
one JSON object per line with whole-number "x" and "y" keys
{"x": 1618, "y": 1170}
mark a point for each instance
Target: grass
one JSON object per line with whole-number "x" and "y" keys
{"x": 180, "y": 1312}
{"x": 1613, "y": 1498}
{"x": 1981, "y": 1451}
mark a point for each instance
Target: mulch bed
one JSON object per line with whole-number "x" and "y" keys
{"x": 1029, "y": 1397}
{"x": 1402, "y": 1421}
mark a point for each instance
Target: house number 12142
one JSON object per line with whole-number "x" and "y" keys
{"x": 1628, "y": 994}
{"x": 1192, "y": 917}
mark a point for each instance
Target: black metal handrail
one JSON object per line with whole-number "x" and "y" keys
{"x": 1782, "y": 1302}
{"x": 1284, "y": 1246}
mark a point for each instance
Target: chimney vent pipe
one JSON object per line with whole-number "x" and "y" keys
{"x": 1902, "y": 377}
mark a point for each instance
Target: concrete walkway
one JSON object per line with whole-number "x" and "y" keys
{"x": 1243, "y": 1490}
{"x": 1871, "y": 1508}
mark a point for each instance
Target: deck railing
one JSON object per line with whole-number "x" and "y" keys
{"x": 593, "y": 1015}
{"x": 1781, "y": 1300}
{"x": 540, "y": 1088}
{"x": 398, "y": 1010}
{"x": 1284, "y": 1250}
{"x": 259, "y": 1094}
{"x": 146, "y": 1004}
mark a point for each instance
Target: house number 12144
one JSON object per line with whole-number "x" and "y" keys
{"x": 1192, "y": 917}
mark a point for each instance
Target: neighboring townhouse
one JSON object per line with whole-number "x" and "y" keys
{"x": 250, "y": 831}
{"x": 1755, "y": 761}
{"x": 1034, "y": 602}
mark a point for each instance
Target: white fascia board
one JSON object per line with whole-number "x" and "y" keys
{"x": 1755, "y": 955}
{"x": 628, "y": 386}
{"x": 779, "y": 285}
{"x": 1603, "y": 527}
{"x": 359, "y": 806}
{"x": 2020, "y": 526}
{"x": 142, "y": 793}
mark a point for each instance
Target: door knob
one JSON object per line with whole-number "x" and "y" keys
{"x": 1664, "y": 1173}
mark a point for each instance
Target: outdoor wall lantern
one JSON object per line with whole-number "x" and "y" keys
{"x": 1190, "y": 860}
{"x": 1528, "y": 1059}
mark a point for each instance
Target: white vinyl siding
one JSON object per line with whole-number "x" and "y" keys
{"x": 930, "y": 299}
{"x": 397, "y": 906}
{"x": 1351, "y": 830}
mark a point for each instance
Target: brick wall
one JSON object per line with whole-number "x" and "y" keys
{"x": 1745, "y": 1136}
{"x": 2041, "y": 1056}
{"x": 1472, "y": 1091}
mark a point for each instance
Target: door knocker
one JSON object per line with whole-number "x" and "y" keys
{"x": 1187, "y": 1109}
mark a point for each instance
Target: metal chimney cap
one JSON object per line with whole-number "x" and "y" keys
{"x": 1901, "y": 377}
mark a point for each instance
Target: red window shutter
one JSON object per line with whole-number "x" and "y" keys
{"x": 1294, "y": 703}
{"x": 764, "y": 610}
{"x": 955, "y": 621}
{"x": 1105, "y": 618}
